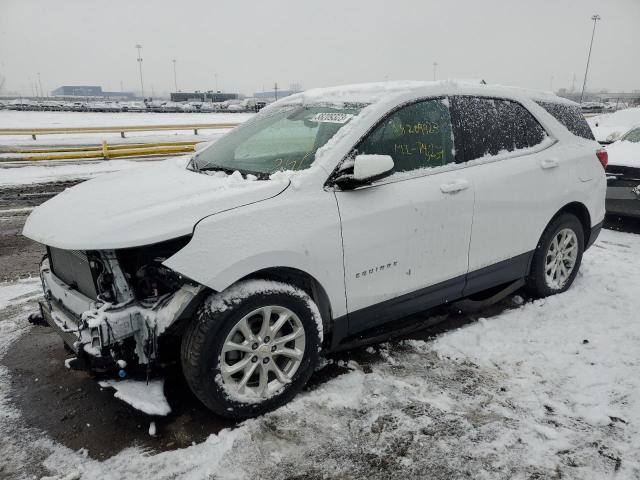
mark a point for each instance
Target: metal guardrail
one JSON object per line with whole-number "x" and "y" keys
{"x": 33, "y": 132}
{"x": 104, "y": 151}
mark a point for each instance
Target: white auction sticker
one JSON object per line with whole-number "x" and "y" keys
{"x": 330, "y": 117}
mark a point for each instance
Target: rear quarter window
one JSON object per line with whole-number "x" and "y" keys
{"x": 571, "y": 117}
{"x": 491, "y": 126}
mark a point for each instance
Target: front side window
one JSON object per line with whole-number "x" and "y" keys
{"x": 493, "y": 126}
{"x": 286, "y": 138}
{"x": 415, "y": 136}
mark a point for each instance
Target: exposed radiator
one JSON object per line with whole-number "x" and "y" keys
{"x": 72, "y": 267}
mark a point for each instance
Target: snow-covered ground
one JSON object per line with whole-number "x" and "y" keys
{"x": 20, "y": 119}
{"x": 60, "y": 171}
{"x": 546, "y": 390}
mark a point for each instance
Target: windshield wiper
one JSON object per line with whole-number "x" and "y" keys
{"x": 194, "y": 165}
{"x": 230, "y": 171}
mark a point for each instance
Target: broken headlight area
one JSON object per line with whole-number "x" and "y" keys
{"x": 143, "y": 269}
{"x": 112, "y": 306}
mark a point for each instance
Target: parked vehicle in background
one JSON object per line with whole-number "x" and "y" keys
{"x": 134, "y": 107}
{"x": 318, "y": 224}
{"x": 623, "y": 175}
{"x": 592, "y": 107}
{"x": 609, "y": 127}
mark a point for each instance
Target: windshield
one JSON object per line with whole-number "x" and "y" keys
{"x": 286, "y": 138}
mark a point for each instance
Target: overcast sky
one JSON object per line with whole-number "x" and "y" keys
{"x": 316, "y": 43}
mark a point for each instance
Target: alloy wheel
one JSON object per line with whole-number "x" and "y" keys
{"x": 261, "y": 353}
{"x": 561, "y": 258}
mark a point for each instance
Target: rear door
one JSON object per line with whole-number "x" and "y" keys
{"x": 519, "y": 177}
{"x": 406, "y": 237}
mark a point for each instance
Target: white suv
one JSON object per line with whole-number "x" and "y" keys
{"x": 330, "y": 214}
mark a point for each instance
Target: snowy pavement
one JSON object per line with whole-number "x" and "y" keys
{"x": 19, "y": 119}
{"x": 546, "y": 390}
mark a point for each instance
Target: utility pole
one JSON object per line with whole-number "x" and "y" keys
{"x": 595, "y": 19}
{"x": 139, "y": 47}
{"x": 175, "y": 77}
{"x": 40, "y": 85}
{"x": 435, "y": 68}
{"x": 275, "y": 89}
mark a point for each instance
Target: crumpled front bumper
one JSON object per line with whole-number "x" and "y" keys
{"x": 101, "y": 333}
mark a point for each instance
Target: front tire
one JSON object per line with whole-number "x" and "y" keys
{"x": 252, "y": 348}
{"x": 557, "y": 258}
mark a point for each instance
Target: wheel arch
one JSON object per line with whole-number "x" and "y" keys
{"x": 580, "y": 211}
{"x": 306, "y": 282}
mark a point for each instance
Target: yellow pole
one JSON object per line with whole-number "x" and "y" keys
{"x": 105, "y": 150}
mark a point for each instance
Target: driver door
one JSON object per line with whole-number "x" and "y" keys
{"x": 406, "y": 237}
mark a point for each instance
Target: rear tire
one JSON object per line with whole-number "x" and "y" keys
{"x": 557, "y": 257}
{"x": 252, "y": 348}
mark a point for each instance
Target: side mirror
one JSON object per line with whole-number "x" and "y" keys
{"x": 367, "y": 168}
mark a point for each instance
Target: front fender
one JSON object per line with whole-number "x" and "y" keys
{"x": 296, "y": 229}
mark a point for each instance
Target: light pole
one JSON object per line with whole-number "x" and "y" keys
{"x": 139, "y": 47}
{"x": 40, "y": 84}
{"x": 595, "y": 19}
{"x": 175, "y": 77}
{"x": 215, "y": 77}
{"x": 435, "y": 68}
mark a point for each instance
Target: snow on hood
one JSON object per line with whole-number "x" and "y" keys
{"x": 141, "y": 206}
{"x": 608, "y": 127}
{"x": 624, "y": 154}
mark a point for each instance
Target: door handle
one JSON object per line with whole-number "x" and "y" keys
{"x": 455, "y": 186}
{"x": 549, "y": 163}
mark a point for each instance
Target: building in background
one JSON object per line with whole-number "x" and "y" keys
{"x": 271, "y": 96}
{"x": 90, "y": 91}
{"x": 209, "y": 96}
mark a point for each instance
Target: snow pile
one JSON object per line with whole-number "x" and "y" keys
{"x": 146, "y": 397}
{"x": 609, "y": 127}
{"x": 624, "y": 154}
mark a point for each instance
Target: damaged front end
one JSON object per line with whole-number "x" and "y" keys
{"x": 112, "y": 306}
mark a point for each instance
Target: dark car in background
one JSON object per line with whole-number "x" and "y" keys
{"x": 623, "y": 175}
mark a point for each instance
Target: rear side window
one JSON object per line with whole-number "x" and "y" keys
{"x": 416, "y": 136}
{"x": 571, "y": 117}
{"x": 491, "y": 126}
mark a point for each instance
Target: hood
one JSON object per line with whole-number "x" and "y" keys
{"x": 154, "y": 202}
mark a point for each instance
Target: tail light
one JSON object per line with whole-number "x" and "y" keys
{"x": 603, "y": 156}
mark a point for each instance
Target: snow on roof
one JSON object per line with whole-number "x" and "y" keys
{"x": 377, "y": 91}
